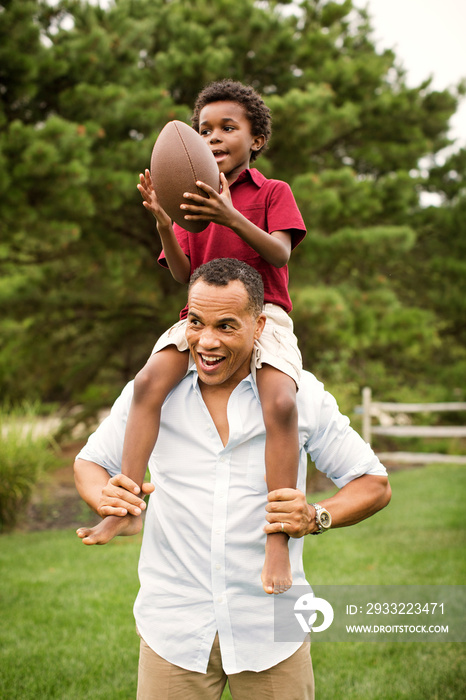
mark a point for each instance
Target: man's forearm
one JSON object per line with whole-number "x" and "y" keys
{"x": 90, "y": 479}
{"x": 356, "y": 501}
{"x": 118, "y": 495}
{"x": 94, "y": 486}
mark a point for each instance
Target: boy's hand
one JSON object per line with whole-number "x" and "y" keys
{"x": 151, "y": 203}
{"x": 218, "y": 208}
{"x": 119, "y": 497}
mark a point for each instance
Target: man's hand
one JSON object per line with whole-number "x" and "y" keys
{"x": 289, "y": 506}
{"x": 120, "y": 497}
{"x": 356, "y": 501}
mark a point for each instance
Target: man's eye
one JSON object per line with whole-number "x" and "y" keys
{"x": 204, "y": 132}
{"x": 225, "y": 327}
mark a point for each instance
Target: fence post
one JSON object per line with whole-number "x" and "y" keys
{"x": 366, "y": 414}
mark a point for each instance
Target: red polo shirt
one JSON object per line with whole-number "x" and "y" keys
{"x": 270, "y": 205}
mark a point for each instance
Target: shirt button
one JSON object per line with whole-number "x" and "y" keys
{"x": 218, "y": 567}
{"x": 220, "y": 599}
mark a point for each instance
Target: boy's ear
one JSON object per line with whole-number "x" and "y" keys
{"x": 258, "y": 142}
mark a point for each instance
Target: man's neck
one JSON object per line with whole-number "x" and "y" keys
{"x": 216, "y": 397}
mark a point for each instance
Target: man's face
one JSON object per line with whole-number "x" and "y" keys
{"x": 221, "y": 331}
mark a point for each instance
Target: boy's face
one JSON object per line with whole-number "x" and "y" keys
{"x": 227, "y": 131}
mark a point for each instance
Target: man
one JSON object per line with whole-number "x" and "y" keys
{"x": 201, "y": 611}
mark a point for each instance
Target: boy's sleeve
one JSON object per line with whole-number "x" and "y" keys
{"x": 283, "y": 213}
{"x": 182, "y": 237}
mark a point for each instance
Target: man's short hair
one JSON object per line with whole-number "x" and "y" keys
{"x": 221, "y": 271}
{"x": 256, "y": 110}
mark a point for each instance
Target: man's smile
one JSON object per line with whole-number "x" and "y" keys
{"x": 211, "y": 360}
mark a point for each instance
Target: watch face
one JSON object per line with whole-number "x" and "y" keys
{"x": 325, "y": 519}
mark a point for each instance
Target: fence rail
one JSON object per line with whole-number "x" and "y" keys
{"x": 381, "y": 410}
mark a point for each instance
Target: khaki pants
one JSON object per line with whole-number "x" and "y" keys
{"x": 158, "y": 679}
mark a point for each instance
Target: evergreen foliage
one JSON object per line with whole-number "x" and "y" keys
{"x": 378, "y": 284}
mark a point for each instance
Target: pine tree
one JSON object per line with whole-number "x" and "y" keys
{"x": 84, "y": 91}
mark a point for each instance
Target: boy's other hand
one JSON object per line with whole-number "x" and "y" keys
{"x": 217, "y": 208}
{"x": 119, "y": 497}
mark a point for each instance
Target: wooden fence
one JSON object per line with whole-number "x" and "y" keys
{"x": 381, "y": 411}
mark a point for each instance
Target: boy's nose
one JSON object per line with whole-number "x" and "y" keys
{"x": 214, "y": 137}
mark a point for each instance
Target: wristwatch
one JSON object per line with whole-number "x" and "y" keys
{"x": 323, "y": 519}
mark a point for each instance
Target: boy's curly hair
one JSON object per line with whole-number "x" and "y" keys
{"x": 256, "y": 110}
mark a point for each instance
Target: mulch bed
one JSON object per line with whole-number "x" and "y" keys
{"x": 56, "y": 505}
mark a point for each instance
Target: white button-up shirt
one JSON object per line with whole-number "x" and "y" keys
{"x": 203, "y": 544}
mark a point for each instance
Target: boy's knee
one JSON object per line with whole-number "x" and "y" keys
{"x": 145, "y": 383}
{"x": 281, "y": 408}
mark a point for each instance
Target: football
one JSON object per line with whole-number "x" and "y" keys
{"x": 180, "y": 158}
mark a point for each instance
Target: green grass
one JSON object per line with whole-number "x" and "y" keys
{"x": 68, "y": 632}
{"x": 67, "y": 627}
{"x": 419, "y": 538}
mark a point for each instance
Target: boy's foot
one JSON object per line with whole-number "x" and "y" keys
{"x": 110, "y": 527}
{"x": 276, "y": 574}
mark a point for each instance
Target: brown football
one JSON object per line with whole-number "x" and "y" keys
{"x": 180, "y": 158}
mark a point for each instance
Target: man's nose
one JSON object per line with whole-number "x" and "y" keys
{"x": 208, "y": 339}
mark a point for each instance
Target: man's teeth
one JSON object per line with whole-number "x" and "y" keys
{"x": 210, "y": 360}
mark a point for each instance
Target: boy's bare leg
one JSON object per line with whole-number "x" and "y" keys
{"x": 277, "y": 393}
{"x": 162, "y": 372}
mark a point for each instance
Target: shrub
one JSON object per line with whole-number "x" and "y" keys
{"x": 24, "y": 458}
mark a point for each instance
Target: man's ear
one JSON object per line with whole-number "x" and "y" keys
{"x": 260, "y": 323}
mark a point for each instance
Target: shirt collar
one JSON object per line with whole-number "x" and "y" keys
{"x": 251, "y": 175}
{"x": 247, "y": 382}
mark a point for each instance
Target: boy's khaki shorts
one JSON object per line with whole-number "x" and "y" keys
{"x": 277, "y": 346}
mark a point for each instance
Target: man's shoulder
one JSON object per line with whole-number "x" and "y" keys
{"x": 310, "y": 379}
{"x": 312, "y": 395}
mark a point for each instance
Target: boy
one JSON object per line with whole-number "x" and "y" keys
{"x": 257, "y": 221}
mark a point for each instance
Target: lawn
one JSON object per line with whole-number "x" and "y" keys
{"x": 68, "y": 632}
